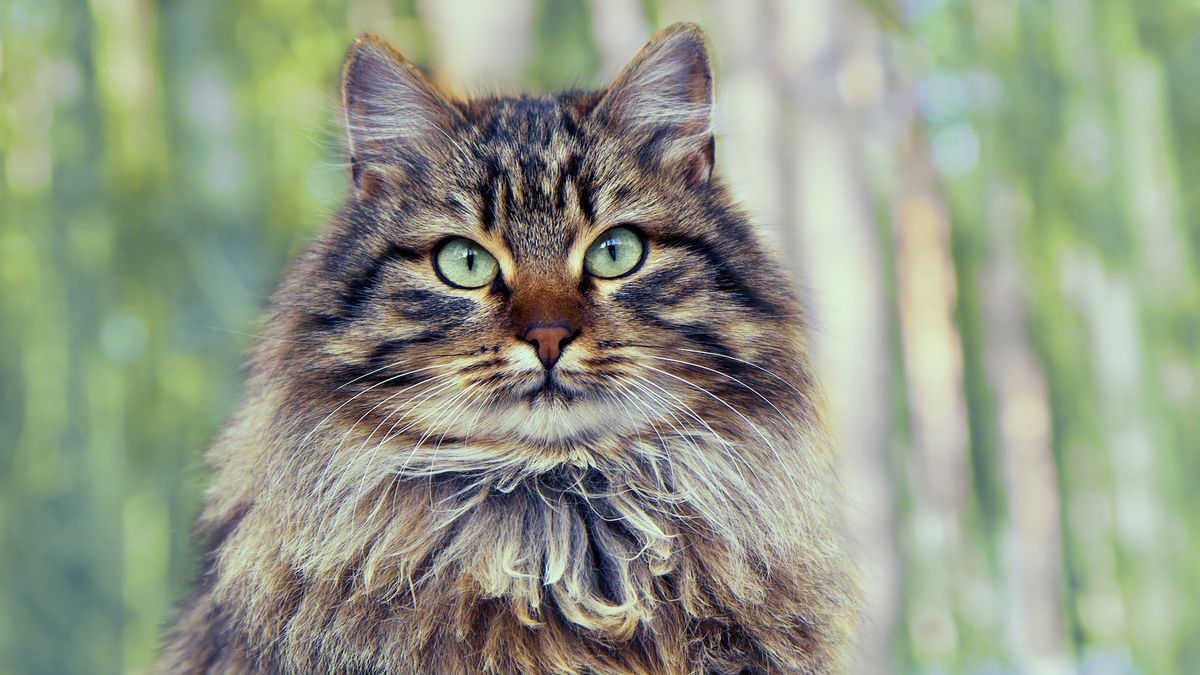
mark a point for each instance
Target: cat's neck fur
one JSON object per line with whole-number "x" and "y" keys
{"x": 390, "y": 571}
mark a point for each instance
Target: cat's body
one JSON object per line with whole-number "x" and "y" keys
{"x": 555, "y": 472}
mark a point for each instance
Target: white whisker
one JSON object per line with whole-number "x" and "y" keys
{"x": 766, "y": 440}
{"x": 734, "y": 379}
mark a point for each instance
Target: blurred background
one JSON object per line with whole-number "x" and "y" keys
{"x": 995, "y": 206}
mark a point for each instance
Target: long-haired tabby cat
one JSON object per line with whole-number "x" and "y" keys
{"x": 536, "y": 402}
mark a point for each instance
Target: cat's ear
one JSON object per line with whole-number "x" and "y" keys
{"x": 664, "y": 97}
{"x": 393, "y": 113}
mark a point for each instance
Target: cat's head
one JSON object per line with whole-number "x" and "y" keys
{"x": 556, "y": 270}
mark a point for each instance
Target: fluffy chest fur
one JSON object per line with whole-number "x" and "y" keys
{"x": 657, "y": 565}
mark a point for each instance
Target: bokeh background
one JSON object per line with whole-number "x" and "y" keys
{"x": 994, "y": 204}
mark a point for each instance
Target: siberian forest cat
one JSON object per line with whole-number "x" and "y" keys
{"x": 537, "y": 401}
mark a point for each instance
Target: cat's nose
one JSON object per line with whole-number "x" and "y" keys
{"x": 550, "y": 339}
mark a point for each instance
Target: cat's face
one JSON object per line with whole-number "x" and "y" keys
{"x": 555, "y": 270}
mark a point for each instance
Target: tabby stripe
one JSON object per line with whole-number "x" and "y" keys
{"x": 385, "y": 352}
{"x": 648, "y": 154}
{"x": 655, "y": 289}
{"x": 487, "y": 193}
{"x": 427, "y": 306}
{"x": 569, "y": 172}
{"x": 699, "y": 334}
{"x": 585, "y": 200}
{"x": 359, "y": 290}
{"x": 725, "y": 274}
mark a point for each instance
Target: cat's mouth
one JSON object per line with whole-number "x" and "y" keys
{"x": 551, "y": 390}
{"x": 555, "y": 407}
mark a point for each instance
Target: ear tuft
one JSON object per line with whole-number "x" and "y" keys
{"x": 390, "y": 107}
{"x": 665, "y": 94}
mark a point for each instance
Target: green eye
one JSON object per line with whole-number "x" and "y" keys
{"x": 615, "y": 254}
{"x": 464, "y": 264}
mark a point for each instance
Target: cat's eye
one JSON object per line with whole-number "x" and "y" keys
{"x": 615, "y": 253}
{"x": 463, "y": 263}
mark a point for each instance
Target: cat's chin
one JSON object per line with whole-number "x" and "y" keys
{"x": 556, "y": 417}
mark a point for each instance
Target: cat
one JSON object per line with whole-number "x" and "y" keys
{"x": 537, "y": 401}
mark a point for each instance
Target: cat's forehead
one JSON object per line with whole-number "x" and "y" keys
{"x": 530, "y": 177}
{"x": 524, "y": 121}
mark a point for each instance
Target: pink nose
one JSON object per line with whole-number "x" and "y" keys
{"x": 549, "y": 340}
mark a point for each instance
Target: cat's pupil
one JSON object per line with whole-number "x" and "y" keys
{"x": 611, "y": 245}
{"x": 470, "y": 259}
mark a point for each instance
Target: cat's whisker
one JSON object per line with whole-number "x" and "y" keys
{"x": 436, "y": 410}
{"x": 736, "y": 453}
{"x": 411, "y": 403}
{"x": 734, "y": 379}
{"x": 303, "y": 444}
{"x": 364, "y": 391}
{"x": 466, "y": 397}
{"x": 398, "y": 474}
{"x": 390, "y": 398}
{"x": 700, "y": 455}
{"x": 394, "y": 476}
{"x": 669, "y": 498}
{"x": 722, "y": 401}
{"x": 333, "y": 455}
{"x": 679, "y": 405}
{"x": 646, "y": 411}
{"x": 458, "y": 411}
{"x": 397, "y": 363}
{"x": 367, "y": 374}
{"x": 446, "y": 378}
{"x": 663, "y": 448}
{"x": 799, "y": 392}
{"x": 616, "y": 397}
{"x": 483, "y": 403}
{"x": 766, "y": 440}
{"x": 803, "y": 395}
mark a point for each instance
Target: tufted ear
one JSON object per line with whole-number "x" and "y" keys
{"x": 392, "y": 111}
{"x": 664, "y": 97}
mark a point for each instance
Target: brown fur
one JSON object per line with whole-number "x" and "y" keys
{"x": 403, "y": 492}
